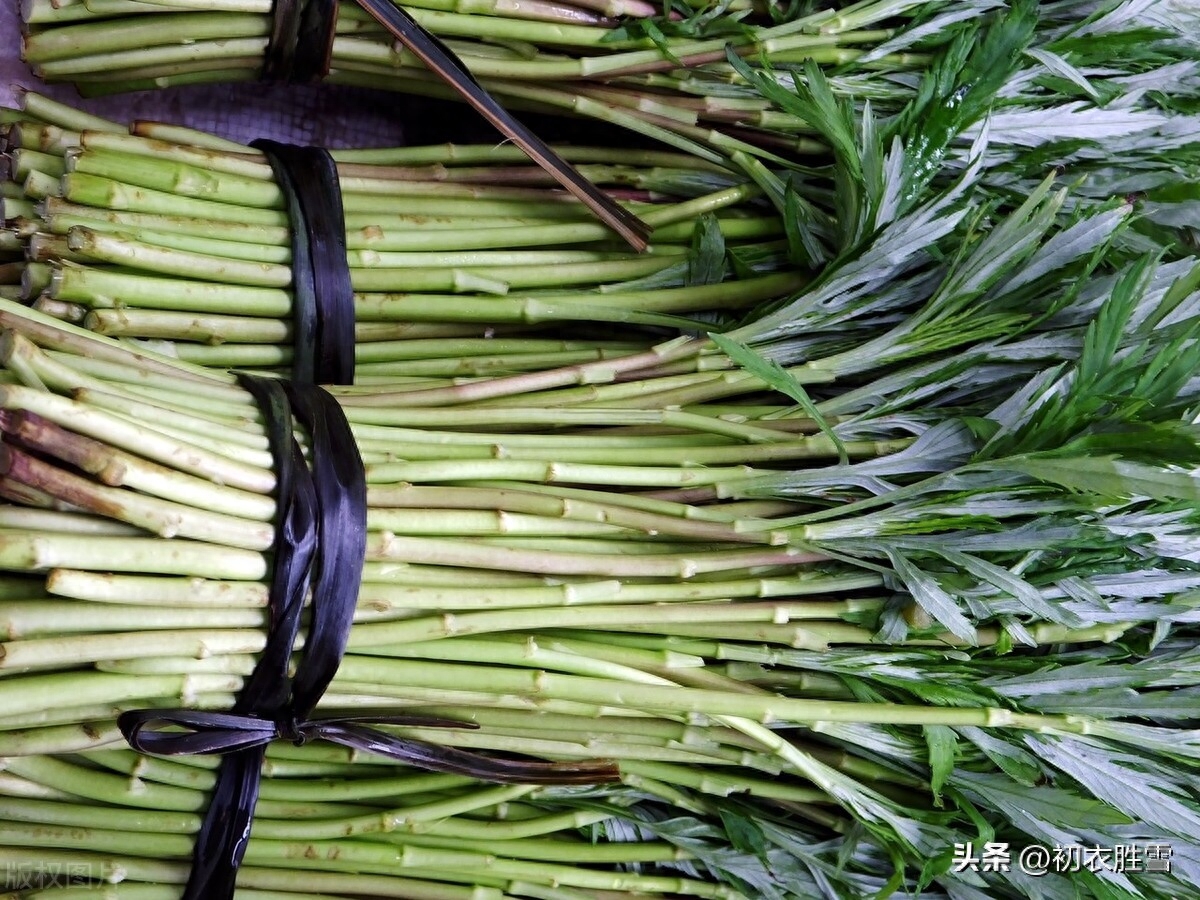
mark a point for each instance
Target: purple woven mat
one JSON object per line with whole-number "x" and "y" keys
{"x": 328, "y": 116}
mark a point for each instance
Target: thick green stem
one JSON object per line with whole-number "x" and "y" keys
{"x": 688, "y": 700}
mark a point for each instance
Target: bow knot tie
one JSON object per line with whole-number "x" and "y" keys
{"x": 289, "y": 728}
{"x": 320, "y": 544}
{"x": 170, "y": 732}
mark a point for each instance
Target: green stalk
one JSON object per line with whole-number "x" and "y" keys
{"x": 416, "y": 630}
{"x": 243, "y": 160}
{"x": 30, "y": 693}
{"x": 376, "y": 277}
{"x": 34, "y": 552}
{"x": 191, "y": 204}
{"x": 201, "y": 593}
{"x": 57, "y": 652}
{"x": 38, "y": 619}
{"x": 677, "y": 700}
{"x": 126, "y": 435}
{"x": 815, "y": 447}
{"x": 164, "y": 880}
{"x": 16, "y": 518}
{"x": 361, "y": 857}
{"x": 621, "y": 563}
{"x": 163, "y": 517}
{"x": 75, "y": 815}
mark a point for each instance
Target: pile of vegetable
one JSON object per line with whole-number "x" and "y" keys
{"x": 620, "y": 62}
{"x": 151, "y": 238}
{"x": 902, "y": 558}
{"x": 697, "y": 594}
{"x": 692, "y": 78}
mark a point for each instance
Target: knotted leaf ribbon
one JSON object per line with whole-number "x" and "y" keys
{"x": 300, "y": 47}
{"x": 322, "y": 295}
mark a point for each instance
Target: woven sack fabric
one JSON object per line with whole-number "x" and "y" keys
{"x": 327, "y": 116}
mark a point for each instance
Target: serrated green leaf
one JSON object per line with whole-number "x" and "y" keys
{"x": 942, "y": 743}
{"x": 1182, "y": 705}
{"x": 1122, "y": 783}
{"x": 1060, "y": 67}
{"x": 744, "y": 833}
{"x": 932, "y": 597}
{"x": 779, "y": 379}
{"x": 1015, "y": 762}
{"x": 1111, "y": 477}
{"x": 1043, "y": 803}
{"x": 960, "y": 90}
{"x": 804, "y": 247}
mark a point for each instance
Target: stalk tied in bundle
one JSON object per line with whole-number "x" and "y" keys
{"x": 439, "y": 58}
{"x": 300, "y": 49}
{"x": 321, "y": 538}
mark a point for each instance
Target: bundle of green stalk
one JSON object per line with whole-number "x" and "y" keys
{"x": 933, "y": 583}
{"x": 159, "y": 238}
{"x": 620, "y": 61}
{"x": 1083, "y": 71}
{"x": 931, "y": 580}
{"x": 1128, "y": 129}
